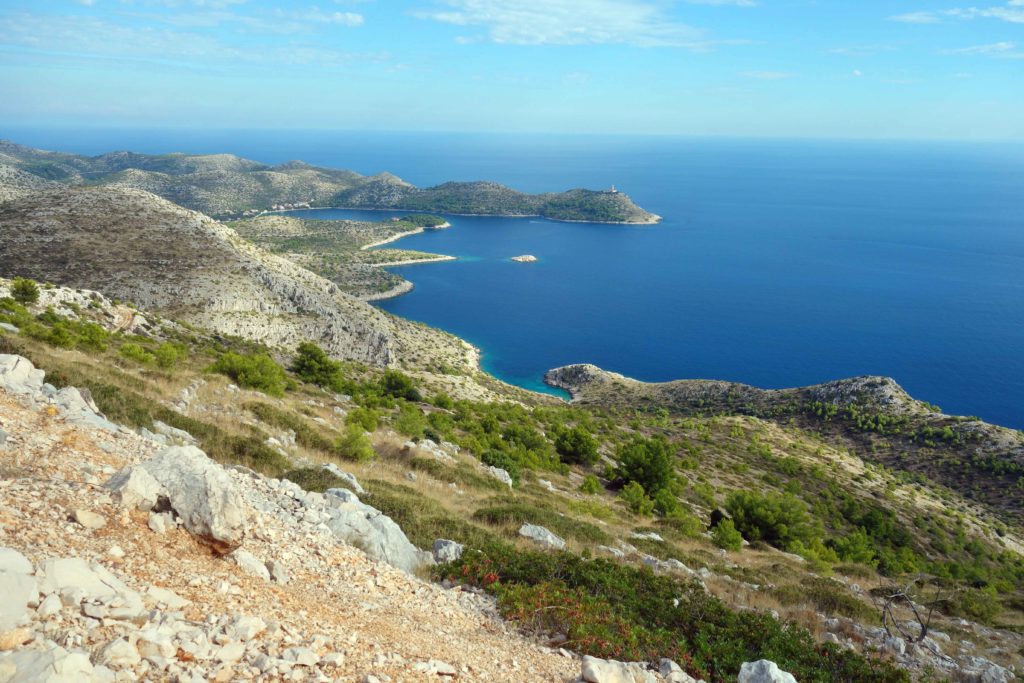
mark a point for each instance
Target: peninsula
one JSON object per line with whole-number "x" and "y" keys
{"x": 225, "y": 186}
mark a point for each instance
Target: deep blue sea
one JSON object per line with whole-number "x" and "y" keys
{"x": 779, "y": 262}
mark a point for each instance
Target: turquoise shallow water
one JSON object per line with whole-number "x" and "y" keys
{"x": 779, "y": 263}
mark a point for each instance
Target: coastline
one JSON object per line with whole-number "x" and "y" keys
{"x": 653, "y": 221}
{"x": 413, "y": 261}
{"x": 407, "y": 233}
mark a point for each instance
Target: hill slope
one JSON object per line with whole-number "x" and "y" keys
{"x": 224, "y": 185}
{"x": 136, "y": 246}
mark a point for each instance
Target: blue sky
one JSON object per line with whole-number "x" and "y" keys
{"x": 867, "y": 68}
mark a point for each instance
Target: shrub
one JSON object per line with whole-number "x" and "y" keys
{"x": 136, "y": 353}
{"x": 256, "y": 371}
{"x": 169, "y": 354}
{"x": 505, "y": 461}
{"x": 399, "y": 385}
{"x": 636, "y": 499}
{"x": 576, "y": 445}
{"x": 313, "y": 365}
{"x": 355, "y": 445}
{"x": 591, "y": 485}
{"x": 855, "y": 546}
{"x": 410, "y": 421}
{"x": 366, "y": 418}
{"x": 726, "y": 536}
{"x": 24, "y": 291}
{"x": 93, "y": 337}
{"x": 779, "y": 520}
{"x": 647, "y": 462}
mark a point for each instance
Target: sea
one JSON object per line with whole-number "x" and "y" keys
{"x": 779, "y": 262}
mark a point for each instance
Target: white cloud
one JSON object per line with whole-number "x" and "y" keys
{"x": 736, "y": 3}
{"x": 858, "y": 73}
{"x": 570, "y": 22}
{"x": 1004, "y": 50}
{"x": 768, "y": 75}
{"x": 916, "y": 18}
{"x": 861, "y": 50}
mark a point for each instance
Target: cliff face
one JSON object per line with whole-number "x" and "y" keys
{"x": 138, "y": 247}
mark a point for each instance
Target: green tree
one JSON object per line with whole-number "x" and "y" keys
{"x": 399, "y": 385}
{"x": 24, "y": 291}
{"x": 780, "y": 520}
{"x": 726, "y": 536}
{"x": 313, "y": 365}
{"x": 633, "y": 495}
{"x": 576, "y": 445}
{"x": 647, "y": 462}
{"x": 591, "y": 485}
{"x": 256, "y": 371}
{"x": 355, "y": 445}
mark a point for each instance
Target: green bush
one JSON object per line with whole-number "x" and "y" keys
{"x": 505, "y": 461}
{"x": 647, "y": 462}
{"x": 24, "y": 291}
{"x": 169, "y": 354}
{"x": 410, "y": 421}
{"x": 577, "y": 446}
{"x": 399, "y": 385}
{"x": 627, "y": 613}
{"x": 355, "y": 445}
{"x": 780, "y": 520}
{"x": 366, "y": 418}
{"x": 313, "y": 365}
{"x": 633, "y": 495}
{"x": 591, "y": 485}
{"x": 255, "y": 371}
{"x": 726, "y": 536}
{"x": 134, "y": 352}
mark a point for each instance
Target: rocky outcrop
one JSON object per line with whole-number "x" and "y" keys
{"x": 541, "y": 536}
{"x": 763, "y": 671}
{"x": 373, "y": 531}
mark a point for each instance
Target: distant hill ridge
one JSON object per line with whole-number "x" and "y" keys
{"x": 224, "y": 185}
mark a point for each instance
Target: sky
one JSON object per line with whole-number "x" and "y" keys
{"x": 773, "y": 68}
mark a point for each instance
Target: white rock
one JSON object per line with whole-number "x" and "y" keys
{"x": 166, "y": 597}
{"x": 203, "y": 495}
{"x": 246, "y": 628}
{"x": 160, "y": 522}
{"x": 596, "y": 670}
{"x": 447, "y": 551}
{"x": 372, "y": 531}
{"x": 134, "y": 487}
{"x": 501, "y": 475}
{"x": 301, "y": 656}
{"x": 673, "y": 673}
{"x": 52, "y": 665}
{"x": 435, "y": 667}
{"x": 49, "y": 606}
{"x": 18, "y": 376}
{"x": 763, "y": 671}
{"x": 250, "y": 564}
{"x": 344, "y": 476}
{"x": 90, "y": 520}
{"x": 231, "y": 653}
{"x": 17, "y": 586}
{"x": 541, "y": 535}
{"x": 119, "y": 654}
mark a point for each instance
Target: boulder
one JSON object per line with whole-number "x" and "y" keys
{"x": 79, "y": 408}
{"x": 673, "y": 673}
{"x": 346, "y": 477}
{"x": 17, "y": 586}
{"x": 203, "y": 495}
{"x": 88, "y": 519}
{"x": 135, "y": 487}
{"x": 80, "y": 581}
{"x": 541, "y": 535}
{"x": 250, "y": 564}
{"x": 18, "y": 376}
{"x": 596, "y": 670}
{"x": 763, "y": 671}
{"x": 52, "y": 665}
{"x": 372, "y": 531}
{"x": 447, "y": 551}
{"x": 501, "y": 475}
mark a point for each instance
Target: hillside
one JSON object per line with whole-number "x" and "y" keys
{"x": 140, "y": 248}
{"x": 873, "y": 416}
{"x": 223, "y": 185}
{"x": 806, "y": 599}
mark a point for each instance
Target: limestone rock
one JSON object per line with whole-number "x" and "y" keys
{"x": 596, "y": 670}
{"x": 763, "y": 671}
{"x": 90, "y": 520}
{"x": 18, "y": 376}
{"x": 372, "y": 531}
{"x": 447, "y": 551}
{"x": 119, "y": 654}
{"x": 17, "y": 586}
{"x": 673, "y": 673}
{"x": 541, "y": 535}
{"x": 250, "y": 564}
{"x": 14, "y": 638}
{"x": 203, "y": 495}
{"x": 52, "y": 665}
{"x": 135, "y": 487}
{"x": 501, "y": 475}
{"x": 344, "y": 476}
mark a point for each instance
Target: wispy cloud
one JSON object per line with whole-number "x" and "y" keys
{"x": 768, "y": 75}
{"x": 861, "y": 50}
{"x": 1012, "y": 11}
{"x": 1005, "y": 49}
{"x": 278, "y": 20}
{"x": 569, "y": 22}
{"x": 88, "y": 37}
{"x": 916, "y": 18}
